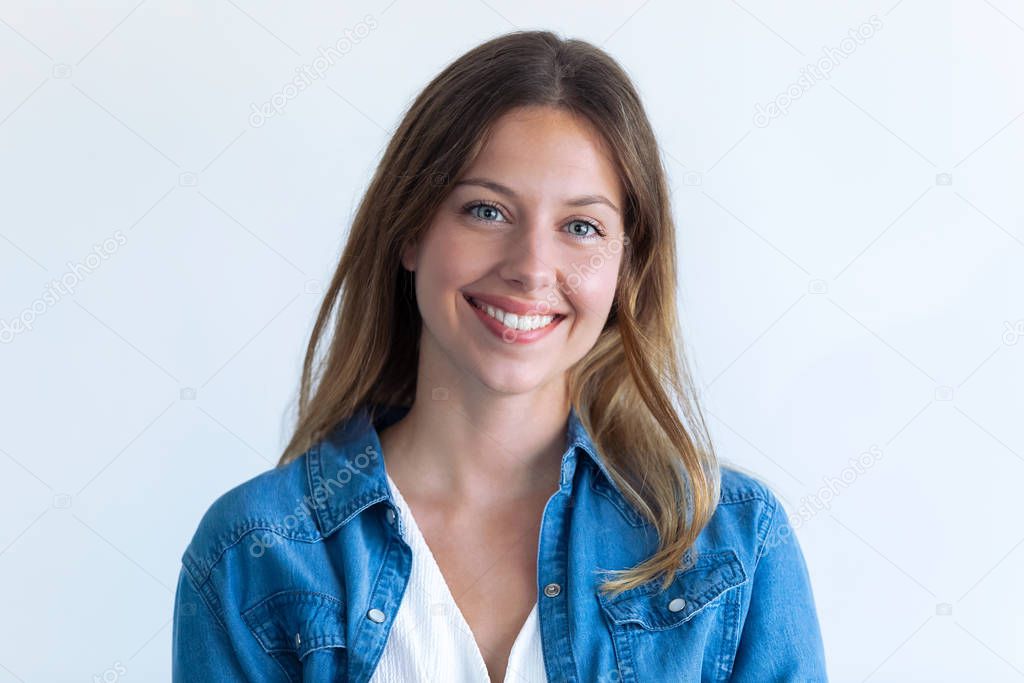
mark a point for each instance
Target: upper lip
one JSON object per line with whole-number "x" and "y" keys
{"x": 516, "y": 306}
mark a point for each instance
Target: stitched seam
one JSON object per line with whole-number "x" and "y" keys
{"x": 616, "y": 645}
{"x": 287, "y": 596}
{"x": 321, "y": 643}
{"x": 211, "y": 565}
{"x": 743, "y": 497}
{"x": 628, "y": 654}
{"x": 765, "y": 524}
{"x": 726, "y": 659}
{"x": 704, "y": 561}
{"x": 313, "y": 470}
{"x": 360, "y": 504}
{"x": 201, "y": 589}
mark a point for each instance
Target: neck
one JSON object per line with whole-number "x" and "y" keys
{"x": 478, "y": 452}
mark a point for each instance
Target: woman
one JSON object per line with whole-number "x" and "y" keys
{"x": 500, "y": 471}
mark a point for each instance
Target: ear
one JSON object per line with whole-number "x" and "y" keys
{"x": 409, "y": 256}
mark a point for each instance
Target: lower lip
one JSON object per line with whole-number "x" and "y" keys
{"x": 507, "y": 334}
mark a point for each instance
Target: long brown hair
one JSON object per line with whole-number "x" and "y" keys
{"x": 633, "y": 390}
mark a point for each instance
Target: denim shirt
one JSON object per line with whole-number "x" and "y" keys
{"x": 297, "y": 574}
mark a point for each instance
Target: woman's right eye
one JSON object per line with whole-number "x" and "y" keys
{"x": 487, "y": 212}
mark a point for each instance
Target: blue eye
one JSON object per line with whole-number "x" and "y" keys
{"x": 492, "y": 211}
{"x": 586, "y": 224}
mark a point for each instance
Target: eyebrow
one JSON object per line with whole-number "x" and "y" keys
{"x": 583, "y": 200}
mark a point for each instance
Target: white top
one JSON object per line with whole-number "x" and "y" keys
{"x": 430, "y": 639}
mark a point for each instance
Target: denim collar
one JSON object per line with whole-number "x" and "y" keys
{"x": 347, "y": 475}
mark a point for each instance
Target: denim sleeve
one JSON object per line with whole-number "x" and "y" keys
{"x": 201, "y": 647}
{"x": 781, "y": 639}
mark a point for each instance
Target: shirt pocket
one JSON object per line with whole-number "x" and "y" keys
{"x": 695, "y": 619}
{"x": 303, "y": 631}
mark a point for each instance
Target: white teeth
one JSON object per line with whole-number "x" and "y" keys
{"x": 523, "y": 323}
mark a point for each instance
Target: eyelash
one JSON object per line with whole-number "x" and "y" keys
{"x": 598, "y": 232}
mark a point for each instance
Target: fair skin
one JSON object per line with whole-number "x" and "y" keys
{"x": 479, "y": 454}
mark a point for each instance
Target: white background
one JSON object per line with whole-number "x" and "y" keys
{"x": 851, "y": 276}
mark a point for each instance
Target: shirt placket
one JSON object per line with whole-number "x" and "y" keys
{"x": 379, "y": 615}
{"x": 554, "y": 594}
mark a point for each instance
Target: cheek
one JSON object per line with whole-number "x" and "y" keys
{"x": 447, "y": 262}
{"x": 595, "y": 292}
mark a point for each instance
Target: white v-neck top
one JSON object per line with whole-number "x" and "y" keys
{"x": 430, "y": 639}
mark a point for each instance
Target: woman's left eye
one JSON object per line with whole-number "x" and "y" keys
{"x": 586, "y": 224}
{"x": 490, "y": 212}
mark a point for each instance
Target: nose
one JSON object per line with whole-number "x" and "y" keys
{"x": 531, "y": 257}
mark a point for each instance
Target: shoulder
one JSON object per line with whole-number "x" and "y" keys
{"x": 744, "y": 487}
{"x": 275, "y": 502}
{"x": 748, "y": 512}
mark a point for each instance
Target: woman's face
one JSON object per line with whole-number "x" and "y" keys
{"x": 533, "y": 227}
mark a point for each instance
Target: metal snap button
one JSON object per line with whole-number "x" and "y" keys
{"x": 390, "y": 514}
{"x": 552, "y": 589}
{"x": 676, "y": 605}
{"x": 375, "y": 615}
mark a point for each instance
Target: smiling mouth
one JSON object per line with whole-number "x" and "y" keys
{"x": 520, "y": 323}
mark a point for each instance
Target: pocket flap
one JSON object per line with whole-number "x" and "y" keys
{"x": 691, "y": 590}
{"x": 297, "y": 621}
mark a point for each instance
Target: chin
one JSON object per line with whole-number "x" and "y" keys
{"x": 509, "y": 379}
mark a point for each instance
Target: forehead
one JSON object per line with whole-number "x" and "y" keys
{"x": 543, "y": 151}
